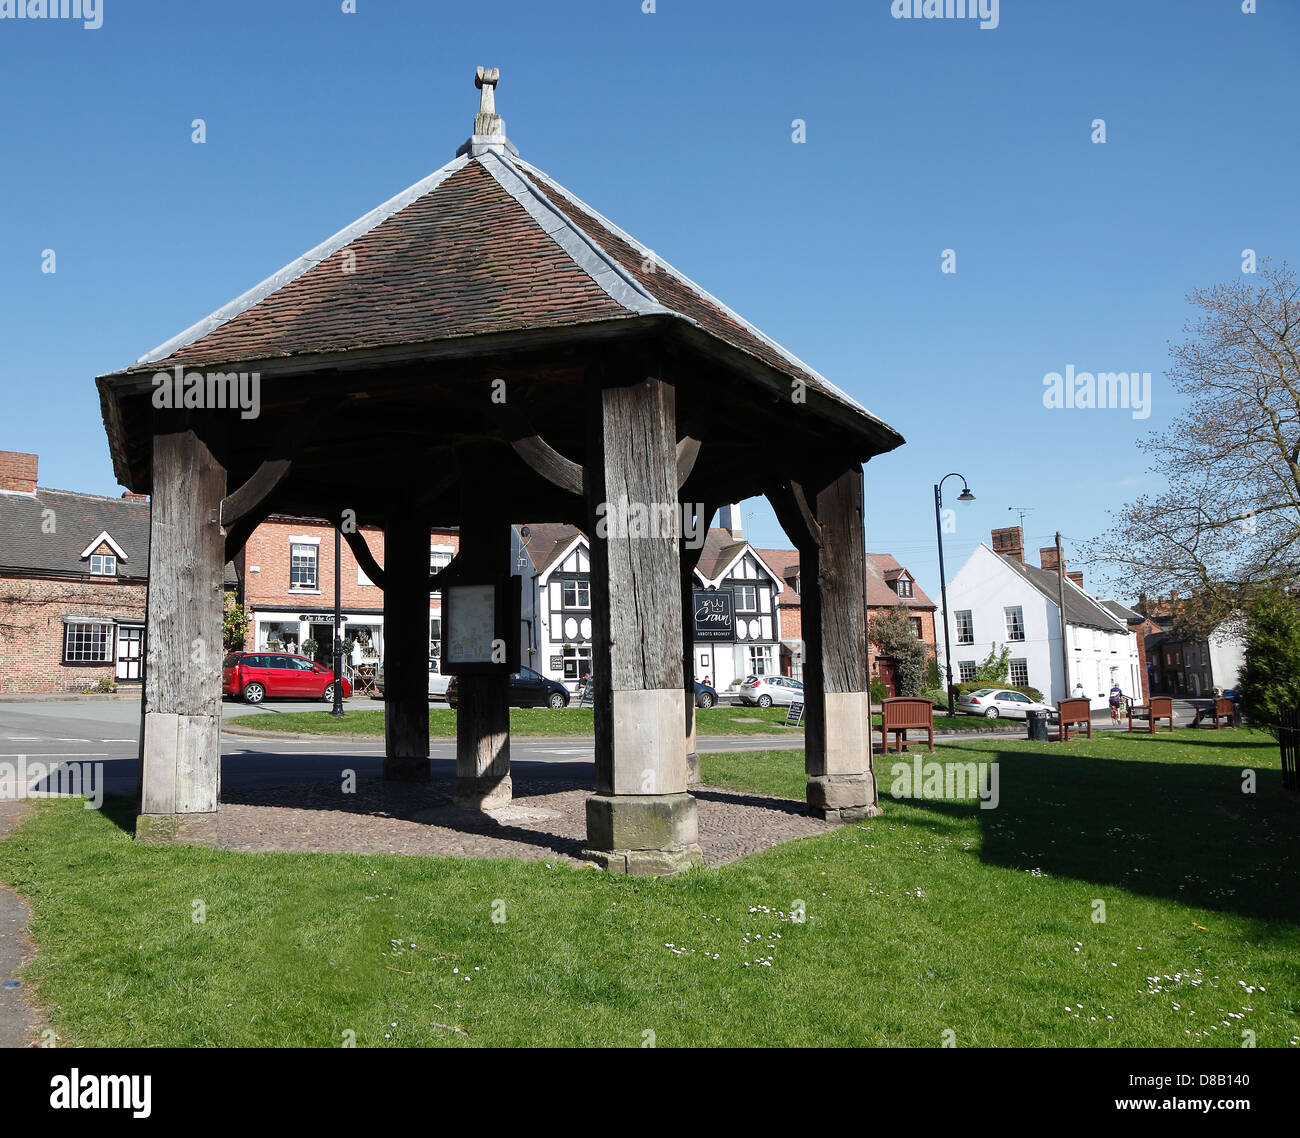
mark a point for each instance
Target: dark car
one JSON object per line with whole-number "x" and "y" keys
{"x": 256, "y": 676}
{"x": 527, "y": 689}
{"x": 705, "y": 696}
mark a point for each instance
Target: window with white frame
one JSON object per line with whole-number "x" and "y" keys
{"x": 760, "y": 660}
{"x": 439, "y": 559}
{"x": 746, "y": 599}
{"x": 965, "y": 626}
{"x": 1015, "y": 622}
{"x": 302, "y": 566}
{"x": 966, "y": 670}
{"x": 87, "y": 642}
{"x": 103, "y": 565}
{"x": 1020, "y": 673}
{"x": 577, "y": 661}
{"x": 435, "y": 636}
{"x": 904, "y": 587}
{"x": 916, "y": 627}
{"x": 577, "y": 594}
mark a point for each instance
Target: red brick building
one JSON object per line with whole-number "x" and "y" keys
{"x": 286, "y": 575}
{"x": 72, "y": 584}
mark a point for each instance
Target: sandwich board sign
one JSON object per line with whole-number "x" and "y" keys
{"x": 794, "y": 716}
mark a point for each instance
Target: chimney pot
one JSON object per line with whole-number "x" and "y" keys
{"x": 18, "y": 471}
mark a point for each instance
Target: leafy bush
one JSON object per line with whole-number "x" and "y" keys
{"x": 937, "y": 696}
{"x": 234, "y": 625}
{"x": 102, "y": 686}
{"x": 995, "y": 670}
{"x": 1270, "y": 681}
{"x": 893, "y": 634}
{"x": 932, "y": 678}
{"x": 878, "y": 690}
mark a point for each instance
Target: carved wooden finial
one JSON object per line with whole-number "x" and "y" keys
{"x": 486, "y": 80}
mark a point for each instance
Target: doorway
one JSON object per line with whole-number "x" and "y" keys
{"x": 130, "y": 651}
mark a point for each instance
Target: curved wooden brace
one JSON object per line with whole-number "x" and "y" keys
{"x": 263, "y": 481}
{"x": 688, "y": 452}
{"x": 790, "y": 505}
{"x": 537, "y": 453}
{"x": 365, "y": 559}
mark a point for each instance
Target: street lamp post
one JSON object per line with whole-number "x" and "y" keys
{"x": 337, "y": 709}
{"x": 964, "y": 496}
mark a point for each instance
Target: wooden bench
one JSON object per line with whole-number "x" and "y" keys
{"x": 1223, "y": 709}
{"x": 899, "y": 714}
{"x": 1072, "y": 712}
{"x": 1160, "y": 707}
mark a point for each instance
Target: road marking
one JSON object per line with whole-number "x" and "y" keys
{"x": 23, "y": 738}
{"x": 69, "y": 740}
{"x": 68, "y": 755}
{"x": 119, "y": 740}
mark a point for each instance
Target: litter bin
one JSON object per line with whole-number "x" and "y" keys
{"x": 1037, "y": 721}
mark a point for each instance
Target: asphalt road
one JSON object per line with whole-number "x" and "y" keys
{"x": 107, "y": 732}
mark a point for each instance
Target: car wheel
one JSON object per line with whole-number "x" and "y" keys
{"x": 706, "y": 700}
{"x": 328, "y": 694}
{"x": 764, "y": 701}
{"x": 557, "y": 700}
{"x": 254, "y": 693}
{"x": 991, "y": 713}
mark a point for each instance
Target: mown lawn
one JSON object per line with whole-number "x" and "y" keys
{"x": 545, "y": 721}
{"x": 935, "y": 917}
{"x": 523, "y": 721}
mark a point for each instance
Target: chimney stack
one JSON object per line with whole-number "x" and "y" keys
{"x": 18, "y": 471}
{"x": 731, "y": 521}
{"x": 1011, "y": 542}
{"x": 1047, "y": 558}
{"x": 1076, "y": 577}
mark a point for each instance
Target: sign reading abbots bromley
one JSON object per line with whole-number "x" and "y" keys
{"x": 714, "y": 617}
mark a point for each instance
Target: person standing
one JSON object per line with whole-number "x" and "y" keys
{"x": 1116, "y": 698}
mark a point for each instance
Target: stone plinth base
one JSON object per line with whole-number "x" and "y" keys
{"x": 183, "y": 829}
{"x": 842, "y": 797}
{"x": 406, "y": 769}
{"x": 484, "y": 794}
{"x": 656, "y": 834}
{"x": 693, "y": 777}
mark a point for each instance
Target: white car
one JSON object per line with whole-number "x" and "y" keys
{"x": 767, "y": 690}
{"x": 437, "y": 681}
{"x": 993, "y": 703}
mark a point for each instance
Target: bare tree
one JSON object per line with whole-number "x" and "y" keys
{"x": 1229, "y": 523}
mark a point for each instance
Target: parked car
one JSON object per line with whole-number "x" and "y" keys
{"x": 705, "y": 696}
{"x": 767, "y": 690}
{"x": 995, "y": 702}
{"x": 437, "y": 681}
{"x": 255, "y": 676}
{"x": 527, "y": 689}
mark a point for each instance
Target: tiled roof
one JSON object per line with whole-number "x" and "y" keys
{"x": 1080, "y": 608}
{"x": 487, "y": 244}
{"x": 881, "y": 568}
{"x": 77, "y": 520}
{"x": 546, "y": 541}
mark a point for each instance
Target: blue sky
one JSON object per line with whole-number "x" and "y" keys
{"x": 922, "y": 135}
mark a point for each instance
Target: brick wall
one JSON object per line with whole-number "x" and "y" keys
{"x": 17, "y": 471}
{"x": 31, "y": 629}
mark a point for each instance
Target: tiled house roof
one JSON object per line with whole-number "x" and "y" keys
{"x": 28, "y": 544}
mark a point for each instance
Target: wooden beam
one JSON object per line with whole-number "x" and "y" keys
{"x": 688, "y": 451}
{"x": 790, "y": 504}
{"x": 365, "y": 559}
{"x": 263, "y": 481}
{"x": 537, "y": 453}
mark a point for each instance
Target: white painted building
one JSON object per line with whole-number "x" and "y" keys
{"x": 996, "y": 599}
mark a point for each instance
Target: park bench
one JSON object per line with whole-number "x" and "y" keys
{"x": 1159, "y": 707}
{"x": 1072, "y": 712}
{"x": 903, "y": 713}
{"x": 1222, "y": 709}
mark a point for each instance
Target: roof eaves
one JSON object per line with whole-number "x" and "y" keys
{"x": 307, "y": 261}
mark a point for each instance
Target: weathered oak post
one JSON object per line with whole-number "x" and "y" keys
{"x": 406, "y": 648}
{"x": 483, "y": 706}
{"x": 641, "y": 819}
{"x": 828, "y": 528}
{"x": 181, "y": 770}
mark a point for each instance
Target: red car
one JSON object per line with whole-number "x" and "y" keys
{"x": 254, "y": 676}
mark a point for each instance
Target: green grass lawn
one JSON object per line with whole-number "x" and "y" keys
{"x": 523, "y": 721}
{"x": 936, "y": 916}
{"x": 545, "y": 721}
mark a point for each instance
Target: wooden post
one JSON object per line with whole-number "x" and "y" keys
{"x": 483, "y": 705}
{"x": 406, "y": 649}
{"x": 180, "y": 776}
{"x": 641, "y": 819}
{"x": 837, "y": 709}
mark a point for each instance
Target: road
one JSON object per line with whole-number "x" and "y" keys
{"x": 107, "y": 732}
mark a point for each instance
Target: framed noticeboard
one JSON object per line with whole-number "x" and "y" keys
{"x": 480, "y": 627}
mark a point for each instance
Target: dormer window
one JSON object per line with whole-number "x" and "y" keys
{"x": 102, "y": 555}
{"x": 904, "y": 586}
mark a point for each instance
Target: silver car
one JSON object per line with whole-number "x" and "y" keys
{"x": 993, "y": 703}
{"x": 767, "y": 690}
{"x": 437, "y": 681}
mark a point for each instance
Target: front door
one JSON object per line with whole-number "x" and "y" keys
{"x": 130, "y": 651}
{"x": 888, "y": 674}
